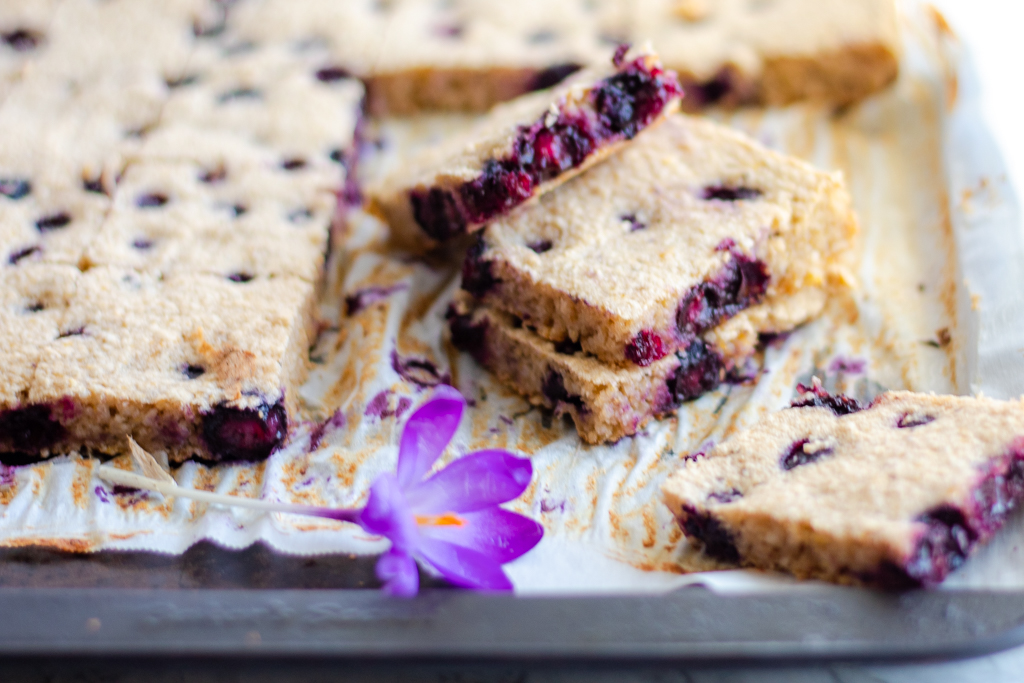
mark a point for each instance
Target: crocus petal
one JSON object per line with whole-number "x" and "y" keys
{"x": 463, "y": 566}
{"x": 398, "y": 572}
{"x": 499, "y": 534}
{"x": 474, "y": 482}
{"x": 427, "y": 433}
{"x": 387, "y": 514}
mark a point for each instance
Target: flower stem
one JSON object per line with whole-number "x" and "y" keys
{"x": 133, "y": 480}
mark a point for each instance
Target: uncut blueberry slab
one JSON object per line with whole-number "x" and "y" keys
{"x": 523, "y": 149}
{"x": 605, "y": 402}
{"x": 896, "y": 495}
{"x": 690, "y": 228}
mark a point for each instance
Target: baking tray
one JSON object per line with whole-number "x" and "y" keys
{"x": 217, "y": 607}
{"x": 260, "y": 610}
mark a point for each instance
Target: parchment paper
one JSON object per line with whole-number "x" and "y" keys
{"x": 937, "y": 310}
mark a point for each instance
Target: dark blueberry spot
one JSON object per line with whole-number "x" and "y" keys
{"x": 634, "y": 223}
{"x": 194, "y": 371}
{"x": 94, "y": 185}
{"x": 249, "y": 434}
{"x": 54, "y": 221}
{"x": 368, "y": 296}
{"x": 568, "y": 347}
{"x": 740, "y": 283}
{"x": 151, "y": 200}
{"x": 330, "y": 74}
{"x": 630, "y": 100}
{"x": 500, "y": 187}
{"x": 467, "y": 336}
{"x": 22, "y": 253}
{"x": 419, "y": 371}
{"x": 541, "y": 37}
{"x": 235, "y": 210}
{"x": 31, "y": 428}
{"x": 700, "y": 370}
{"x": 452, "y": 31}
{"x": 293, "y": 164}
{"x": 240, "y": 94}
{"x": 182, "y": 81}
{"x": 22, "y": 39}
{"x": 142, "y": 243}
{"x": 77, "y": 332}
{"x": 241, "y": 277}
{"x": 943, "y": 546}
{"x": 516, "y": 322}
{"x": 709, "y": 530}
{"x": 797, "y": 455}
{"x": 15, "y": 188}
{"x": 35, "y": 307}
{"x": 553, "y": 75}
{"x": 540, "y": 246}
{"x": 711, "y": 91}
{"x": 816, "y": 397}
{"x": 725, "y": 496}
{"x": 1000, "y": 492}
{"x": 140, "y": 132}
{"x": 907, "y": 420}
{"x": 729, "y": 194}
{"x": 338, "y": 156}
{"x": 645, "y": 348}
{"x": 300, "y": 215}
{"x": 619, "y": 58}
{"x": 214, "y": 175}
{"x": 553, "y": 389}
{"x": 477, "y": 272}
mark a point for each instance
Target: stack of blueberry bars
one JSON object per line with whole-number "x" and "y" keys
{"x": 626, "y": 258}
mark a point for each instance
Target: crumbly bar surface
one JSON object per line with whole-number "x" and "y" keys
{"x": 167, "y": 192}
{"x": 523, "y": 149}
{"x": 896, "y": 495}
{"x": 605, "y": 402}
{"x": 690, "y": 226}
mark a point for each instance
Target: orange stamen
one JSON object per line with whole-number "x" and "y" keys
{"x": 447, "y": 519}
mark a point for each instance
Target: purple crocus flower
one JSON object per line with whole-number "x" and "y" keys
{"x": 450, "y": 520}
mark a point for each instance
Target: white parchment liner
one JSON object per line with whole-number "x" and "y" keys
{"x": 942, "y": 251}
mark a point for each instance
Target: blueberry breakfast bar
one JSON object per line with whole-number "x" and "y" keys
{"x": 691, "y": 228}
{"x": 605, "y": 402}
{"x": 895, "y": 495}
{"x": 193, "y": 365}
{"x": 523, "y": 149}
{"x": 736, "y": 51}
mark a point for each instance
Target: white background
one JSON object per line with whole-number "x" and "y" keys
{"x": 993, "y": 31}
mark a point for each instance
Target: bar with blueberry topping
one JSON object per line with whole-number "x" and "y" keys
{"x": 692, "y": 229}
{"x": 523, "y": 149}
{"x": 605, "y": 402}
{"x": 896, "y": 495}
